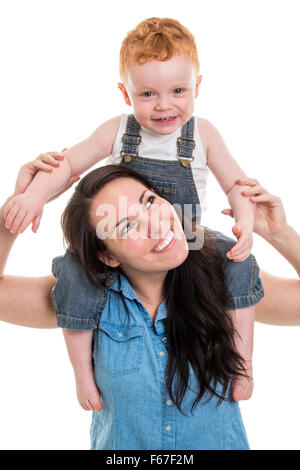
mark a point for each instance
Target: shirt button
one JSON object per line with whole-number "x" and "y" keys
{"x": 161, "y": 353}
{"x": 164, "y": 339}
{"x": 168, "y": 402}
{"x": 120, "y": 334}
{"x": 168, "y": 428}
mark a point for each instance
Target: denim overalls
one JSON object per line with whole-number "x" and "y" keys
{"x": 174, "y": 179}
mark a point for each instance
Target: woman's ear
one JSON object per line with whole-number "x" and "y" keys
{"x": 108, "y": 260}
{"x": 124, "y": 93}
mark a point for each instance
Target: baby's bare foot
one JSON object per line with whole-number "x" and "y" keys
{"x": 87, "y": 391}
{"x": 242, "y": 389}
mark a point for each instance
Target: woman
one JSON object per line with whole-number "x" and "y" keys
{"x": 176, "y": 385}
{"x": 44, "y": 318}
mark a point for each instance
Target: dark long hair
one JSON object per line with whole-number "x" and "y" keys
{"x": 199, "y": 328}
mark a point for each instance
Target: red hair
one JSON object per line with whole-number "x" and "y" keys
{"x": 157, "y": 39}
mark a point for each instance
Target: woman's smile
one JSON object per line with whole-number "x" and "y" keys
{"x": 165, "y": 244}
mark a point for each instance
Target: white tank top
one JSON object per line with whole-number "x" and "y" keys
{"x": 163, "y": 147}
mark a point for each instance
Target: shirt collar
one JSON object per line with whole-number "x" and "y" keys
{"x": 121, "y": 284}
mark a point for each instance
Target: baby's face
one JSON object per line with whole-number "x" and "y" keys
{"x": 162, "y": 93}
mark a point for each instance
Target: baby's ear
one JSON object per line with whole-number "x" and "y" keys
{"x": 107, "y": 259}
{"x": 198, "y": 82}
{"x": 124, "y": 93}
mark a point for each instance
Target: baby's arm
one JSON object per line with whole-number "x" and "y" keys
{"x": 24, "y": 208}
{"x": 79, "y": 344}
{"x": 243, "y": 320}
{"x": 227, "y": 172}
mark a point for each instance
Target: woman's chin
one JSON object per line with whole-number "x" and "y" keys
{"x": 179, "y": 256}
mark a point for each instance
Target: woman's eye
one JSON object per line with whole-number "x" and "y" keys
{"x": 127, "y": 228}
{"x": 147, "y": 93}
{"x": 178, "y": 90}
{"x": 150, "y": 201}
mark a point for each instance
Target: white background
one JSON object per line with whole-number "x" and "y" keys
{"x": 58, "y": 82}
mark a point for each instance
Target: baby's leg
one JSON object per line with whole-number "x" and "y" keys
{"x": 243, "y": 320}
{"x": 79, "y": 344}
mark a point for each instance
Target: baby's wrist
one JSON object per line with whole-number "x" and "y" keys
{"x": 37, "y": 196}
{"x": 246, "y": 223}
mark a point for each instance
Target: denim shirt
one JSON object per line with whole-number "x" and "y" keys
{"x": 130, "y": 354}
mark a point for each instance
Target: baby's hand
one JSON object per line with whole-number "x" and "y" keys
{"x": 22, "y": 210}
{"x": 242, "y": 248}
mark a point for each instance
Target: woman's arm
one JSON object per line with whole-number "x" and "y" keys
{"x": 281, "y": 303}
{"x": 24, "y": 301}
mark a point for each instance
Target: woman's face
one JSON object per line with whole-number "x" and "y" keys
{"x": 141, "y": 231}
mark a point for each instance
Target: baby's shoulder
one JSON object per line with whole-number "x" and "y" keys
{"x": 208, "y": 132}
{"x": 205, "y": 127}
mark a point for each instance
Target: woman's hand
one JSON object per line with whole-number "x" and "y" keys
{"x": 44, "y": 162}
{"x": 270, "y": 217}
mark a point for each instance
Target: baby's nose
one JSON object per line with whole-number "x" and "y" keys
{"x": 162, "y": 104}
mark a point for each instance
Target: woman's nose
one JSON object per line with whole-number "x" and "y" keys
{"x": 159, "y": 221}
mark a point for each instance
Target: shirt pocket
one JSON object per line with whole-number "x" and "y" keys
{"x": 120, "y": 348}
{"x": 166, "y": 188}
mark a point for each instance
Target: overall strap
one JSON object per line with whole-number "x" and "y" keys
{"x": 186, "y": 143}
{"x": 131, "y": 139}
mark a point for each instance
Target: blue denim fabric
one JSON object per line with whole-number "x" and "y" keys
{"x": 130, "y": 356}
{"x": 79, "y": 304}
{"x": 174, "y": 181}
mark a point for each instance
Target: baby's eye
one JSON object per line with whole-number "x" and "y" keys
{"x": 150, "y": 201}
{"x": 178, "y": 90}
{"x": 147, "y": 93}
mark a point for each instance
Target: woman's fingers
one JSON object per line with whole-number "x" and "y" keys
{"x": 40, "y": 165}
{"x": 254, "y": 190}
{"x": 48, "y": 160}
{"x": 51, "y": 155}
{"x": 247, "y": 182}
{"x": 266, "y": 198}
{"x": 227, "y": 212}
